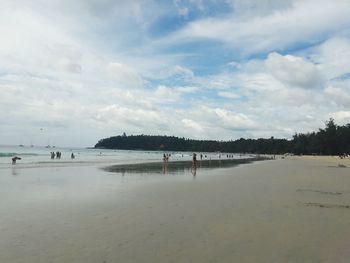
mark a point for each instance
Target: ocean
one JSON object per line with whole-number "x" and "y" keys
{"x": 40, "y": 156}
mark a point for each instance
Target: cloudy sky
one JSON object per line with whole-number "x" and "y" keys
{"x": 73, "y": 72}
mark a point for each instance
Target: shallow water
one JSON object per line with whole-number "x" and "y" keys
{"x": 40, "y": 156}
{"x": 175, "y": 167}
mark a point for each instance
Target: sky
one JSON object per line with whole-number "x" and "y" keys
{"x": 74, "y": 72}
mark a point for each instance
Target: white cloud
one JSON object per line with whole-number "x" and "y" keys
{"x": 229, "y": 95}
{"x": 192, "y": 125}
{"x": 166, "y": 94}
{"x": 214, "y": 119}
{"x": 333, "y": 57}
{"x": 301, "y": 22}
{"x": 258, "y": 8}
{"x": 124, "y": 75}
{"x": 187, "y": 89}
{"x": 233, "y": 120}
{"x": 340, "y": 117}
{"x": 133, "y": 115}
{"x": 182, "y": 71}
{"x": 294, "y": 71}
{"x": 184, "y": 7}
{"x": 338, "y": 95}
{"x": 182, "y": 10}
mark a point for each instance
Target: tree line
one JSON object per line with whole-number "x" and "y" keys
{"x": 332, "y": 140}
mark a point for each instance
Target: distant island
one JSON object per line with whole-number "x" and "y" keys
{"x": 333, "y": 140}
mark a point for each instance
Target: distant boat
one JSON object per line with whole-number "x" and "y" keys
{"x": 21, "y": 145}
{"x": 48, "y": 144}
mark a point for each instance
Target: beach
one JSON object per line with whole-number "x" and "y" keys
{"x": 286, "y": 210}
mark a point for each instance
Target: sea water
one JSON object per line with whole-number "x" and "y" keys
{"x": 40, "y": 156}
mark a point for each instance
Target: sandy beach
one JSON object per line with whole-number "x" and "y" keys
{"x": 286, "y": 210}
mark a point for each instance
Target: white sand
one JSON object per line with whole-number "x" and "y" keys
{"x": 292, "y": 210}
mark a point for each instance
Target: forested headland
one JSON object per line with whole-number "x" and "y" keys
{"x": 332, "y": 140}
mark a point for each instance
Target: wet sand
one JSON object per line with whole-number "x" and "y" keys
{"x": 291, "y": 210}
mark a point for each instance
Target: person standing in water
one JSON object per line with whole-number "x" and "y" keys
{"x": 72, "y": 156}
{"x": 194, "y": 161}
{"x": 194, "y": 164}
{"x": 14, "y": 159}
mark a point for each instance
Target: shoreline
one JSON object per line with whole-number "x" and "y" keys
{"x": 112, "y": 162}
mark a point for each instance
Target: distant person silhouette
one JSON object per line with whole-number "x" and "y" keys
{"x": 14, "y": 159}
{"x": 194, "y": 164}
{"x": 194, "y": 161}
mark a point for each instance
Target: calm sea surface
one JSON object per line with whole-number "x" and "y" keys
{"x": 40, "y": 156}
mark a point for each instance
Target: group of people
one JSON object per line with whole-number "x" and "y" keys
{"x": 59, "y": 154}
{"x": 166, "y": 157}
{"x": 343, "y": 156}
{"x": 52, "y": 154}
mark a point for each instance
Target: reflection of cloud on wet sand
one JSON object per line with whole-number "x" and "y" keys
{"x": 183, "y": 167}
